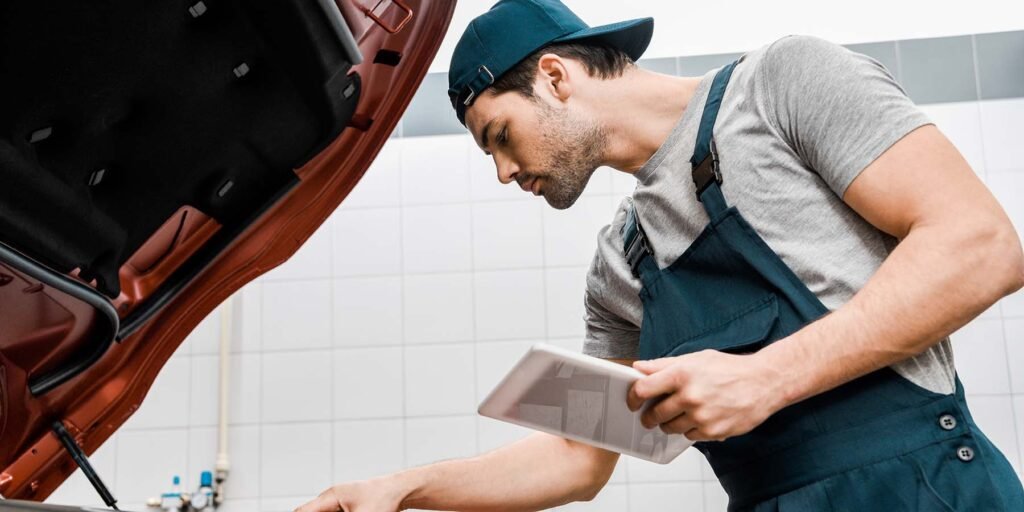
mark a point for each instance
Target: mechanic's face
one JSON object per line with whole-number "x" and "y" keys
{"x": 545, "y": 146}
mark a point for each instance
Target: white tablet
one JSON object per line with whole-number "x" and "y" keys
{"x": 582, "y": 398}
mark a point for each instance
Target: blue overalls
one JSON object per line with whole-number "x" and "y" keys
{"x": 877, "y": 443}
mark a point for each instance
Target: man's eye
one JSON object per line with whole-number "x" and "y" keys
{"x": 503, "y": 135}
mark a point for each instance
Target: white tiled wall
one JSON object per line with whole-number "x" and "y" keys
{"x": 676, "y": 34}
{"x": 369, "y": 350}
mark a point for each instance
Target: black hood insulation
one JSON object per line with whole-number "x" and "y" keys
{"x": 116, "y": 113}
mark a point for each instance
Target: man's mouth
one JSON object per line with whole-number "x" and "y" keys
{"x": 528, "y": 184}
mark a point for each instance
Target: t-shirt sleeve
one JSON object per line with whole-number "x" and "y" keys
{"x": 612, "y": 307}
{"x": 608, "y": 336}
{"x": 838, "y": 109}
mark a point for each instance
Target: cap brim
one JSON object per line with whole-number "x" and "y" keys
{"x": 632, "y": 37}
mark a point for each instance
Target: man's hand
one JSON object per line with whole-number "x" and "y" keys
{"x": 710, "y": 395}
{"x": 374, "y": 495}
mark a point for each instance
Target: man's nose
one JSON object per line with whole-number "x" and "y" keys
{"x": 507, "y": 169}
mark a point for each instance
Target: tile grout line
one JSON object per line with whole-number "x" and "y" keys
{"x": 332, "y": 338}
{"x": 259, "y": 432}
{"x": 975, "y": 66}
{"x": 544, "y": 279}
{"x": 703, "y": 491}
{"x": 1013, "y": 406}
{"x": 981, "y": 119}
{"x": 463, "y": 341}
{"x": 544, "y": 275}
{"x": 472, "y": 301}
{"x": 117, "y": 452}
{"x": 316, "y": 421}
{"x": 899, "y": 64}
{"x": 297, "y": 280}
{"x": 403, "y": 354}
{"x": 188, "y": 418}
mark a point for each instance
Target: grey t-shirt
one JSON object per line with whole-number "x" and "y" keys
{"x": 801, "y": 117}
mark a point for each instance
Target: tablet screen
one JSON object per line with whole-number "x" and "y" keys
{"x": 581, "y": 400}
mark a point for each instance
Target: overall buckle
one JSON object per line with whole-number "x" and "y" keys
{"x": 707, "y": 171}
{"x": 636, "y": 249}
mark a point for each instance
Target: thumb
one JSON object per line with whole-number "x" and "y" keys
{"x": 652, "y": 365}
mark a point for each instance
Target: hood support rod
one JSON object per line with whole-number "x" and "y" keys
{"x": 83, "y": 462}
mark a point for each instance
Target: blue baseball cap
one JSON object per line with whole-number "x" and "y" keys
{"x": 512, "y": 30}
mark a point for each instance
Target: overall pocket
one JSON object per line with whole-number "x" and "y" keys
{"x": 928, "y": 497}
{"x": 745, "y": 329}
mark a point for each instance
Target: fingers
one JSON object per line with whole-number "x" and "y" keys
{"x": 653, "y": 385}
{"x": 703, "y": 434}
{"x": 687, "y": 423}
{"x": 325, "y": 502}
{"x": 652, "y": 365}
{"x": 672, "y": 406}
{"x": 682, "y": 424}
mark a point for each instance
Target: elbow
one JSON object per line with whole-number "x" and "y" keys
{"x": 584, "y": 494}
{"x": 1017, "y": 281}
{"x": 1001, "y": 260}
{"x": 588, "y": 491}
{"x": 591, "y": 487}
{"x": 1011, "y": 256}
{"x": 597, "y": 468}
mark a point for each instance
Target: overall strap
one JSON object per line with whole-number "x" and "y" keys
{"x": 706, "y": 174}
{"x": 635, "y": 240}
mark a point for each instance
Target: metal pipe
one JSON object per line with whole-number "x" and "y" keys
{"x": 223, "y": 465}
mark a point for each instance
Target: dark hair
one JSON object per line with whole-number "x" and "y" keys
{"x": 601, "y": 61}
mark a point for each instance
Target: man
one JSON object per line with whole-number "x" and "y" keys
{"x": 800, "y": 244}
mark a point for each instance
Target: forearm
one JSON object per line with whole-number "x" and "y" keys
{"x": 538, "y": 472}
{"x": 935, "y": 281}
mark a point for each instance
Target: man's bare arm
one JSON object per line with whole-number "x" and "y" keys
{"x": 535, "y": 473}
{"x": 958, "y": 255}
{"x": 538, "y": 472}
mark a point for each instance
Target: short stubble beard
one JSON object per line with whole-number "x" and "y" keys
{"x": 572, "y": 151}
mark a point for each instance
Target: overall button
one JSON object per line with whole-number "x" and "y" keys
{"x": 965, "y": 453}
{"x": 947, "y": 422}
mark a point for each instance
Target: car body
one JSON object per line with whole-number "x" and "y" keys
{"x": 154, "y": 158}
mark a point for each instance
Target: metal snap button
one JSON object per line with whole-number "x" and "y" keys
{"x": 965, "y": 453}
{"x": 947, "y": 422}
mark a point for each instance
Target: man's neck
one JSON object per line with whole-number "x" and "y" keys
{"x": 639, "y": 112}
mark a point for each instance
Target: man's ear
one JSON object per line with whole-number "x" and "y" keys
{"x": 554, "y": 78}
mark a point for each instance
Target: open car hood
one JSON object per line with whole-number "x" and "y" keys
{"x": 154, "y": 158}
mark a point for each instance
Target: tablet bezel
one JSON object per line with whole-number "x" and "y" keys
{"x": 532, "y": 366}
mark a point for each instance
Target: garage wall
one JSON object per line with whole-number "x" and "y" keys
{"x": 369, "y": 350}
{"x": 701, "y": 28}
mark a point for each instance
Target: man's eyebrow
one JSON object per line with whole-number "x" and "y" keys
{"x": 484, "y": 137}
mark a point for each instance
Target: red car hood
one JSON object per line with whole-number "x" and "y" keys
{"x": 94, "y": 295}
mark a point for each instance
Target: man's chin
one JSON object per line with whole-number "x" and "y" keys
{"x": 560, "y": 203}
{"x": 562, "y": 194}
